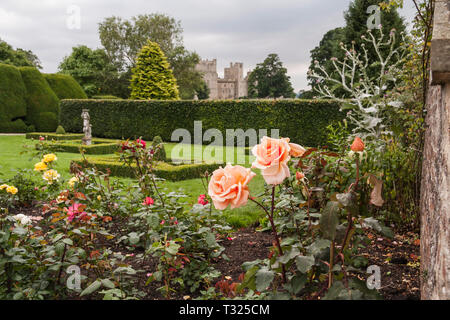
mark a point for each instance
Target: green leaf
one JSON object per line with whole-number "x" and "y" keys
{"x": 133, "y": 237}
{"x": 296, "y": 284}
{"x": 20, "y": 231}
{"x": 59, "y": 248}
{"x": 373, "y": 223}
{"x": 18, "y": 259}
{"x": 58, "y": 237}
{"x": 264, "y": 278}
{"x": 92, "y": 288}
{"x": 318, "y": 246}
{"x": 157, "y": 275}
{"x": 346, "y": 199}
{"x": 249, "y": 278}
{"x": 67, "y": 241}
{"x": 173, "y": 248}
{"x": 210, "y": 239}
{"x": 108, "y": 283}
{"x": 337, "y": 292}
{"x": 289, "y": 255}
{"x": 282, "y": 203}
{"x": 304, "y": 263}
{"x": 329, "y": 220}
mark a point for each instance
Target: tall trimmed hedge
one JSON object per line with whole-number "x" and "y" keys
{"x": 65, "y": 86}
{"x": 42, "y": 102}
{"x": 304, "y": 121}
{"x": 12, "y": 99}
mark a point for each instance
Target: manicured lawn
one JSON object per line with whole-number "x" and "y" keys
{"x": 13, "y": 156}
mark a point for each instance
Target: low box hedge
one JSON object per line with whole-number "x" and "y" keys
{"x": 98, "y": 146}
{"x": 303, "y": 121}
{"x": 163, "y": 170}
{"x": 54, "y": 136}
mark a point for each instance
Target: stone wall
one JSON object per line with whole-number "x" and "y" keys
{"x": 435, "y": 189}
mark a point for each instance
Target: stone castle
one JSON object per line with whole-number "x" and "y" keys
{"x": 232, "y": 86}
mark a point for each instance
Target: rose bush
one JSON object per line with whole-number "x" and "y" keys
{"x": 314, "y": 218}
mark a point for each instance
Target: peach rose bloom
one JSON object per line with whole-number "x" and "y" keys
{"x": 272, "y": 156}
{"x": 357, "y": 145}
{"x": 229, "y": 186}
{"x": 296, "y": 149}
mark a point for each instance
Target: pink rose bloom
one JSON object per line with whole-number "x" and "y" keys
{"x": 148, "y": 201}
{"x": 272, "y": 156}
{"x": 74, "y": 210}
{"x": 142, "y": 143}
{"x": 202, "y": 200}
{"x": 229, "y": 186}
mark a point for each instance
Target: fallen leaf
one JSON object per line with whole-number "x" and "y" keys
{"x": 375, "y": 196}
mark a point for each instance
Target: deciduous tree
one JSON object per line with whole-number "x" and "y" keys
{"x": 270, "y": 79}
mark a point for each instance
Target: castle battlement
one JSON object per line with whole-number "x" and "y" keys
{"x": 232, "y": 86}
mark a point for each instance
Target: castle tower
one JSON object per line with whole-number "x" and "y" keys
{"x": 209, "y": 70}
{"x": 232, "y": 86}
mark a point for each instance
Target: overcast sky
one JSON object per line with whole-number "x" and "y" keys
{"x": 228, "y": 30}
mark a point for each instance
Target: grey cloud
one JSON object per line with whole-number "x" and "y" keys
{"x": 231, "y": 30}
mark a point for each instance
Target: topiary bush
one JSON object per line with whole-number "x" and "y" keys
{"x": 65, "y": 86}
{"x": 152, "y": 76}
{"x": 16, "y": 126}
{"x": 42, "y": 102}
{"x": 160, "y": 154}
{"x": 12, "y": 99}
{"x": 60, "y": 130}
{"x": 47, "y": 122}
{"x": 304, "y": 121}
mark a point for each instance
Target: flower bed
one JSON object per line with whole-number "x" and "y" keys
{"x": 165, "y": 170}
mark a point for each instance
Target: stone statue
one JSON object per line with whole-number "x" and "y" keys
{"x": 87, "y": 128}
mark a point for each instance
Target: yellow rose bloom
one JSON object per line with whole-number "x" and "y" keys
{"x": 40, "y": 166}
{"x": 49, "y": 158}
{"x": 51, "y": 176}
{"x": 3, "y": 186}
{"x": 99, "y": 198}
{"x": 12, "y": 190}
{"x": 72, "y": 181}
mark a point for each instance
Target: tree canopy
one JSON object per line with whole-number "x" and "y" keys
{"x": 355, "y": 27}
{"x": 270, "y": 79}
{"x": 18, "y": 57}
{"x": 123, "y": 39}
{"x": 91, "y": 68}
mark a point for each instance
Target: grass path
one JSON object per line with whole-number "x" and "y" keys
{"x": 13, "y": 156}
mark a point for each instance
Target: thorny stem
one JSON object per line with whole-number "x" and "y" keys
{"x": 62, "y": 261}
{"x": 157, "y": 191}
{"x": 308, "y": 193}
{"x": 353, "y": 187}
{"x": 330, "y": 275}
{"x": 274, "y": 229}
